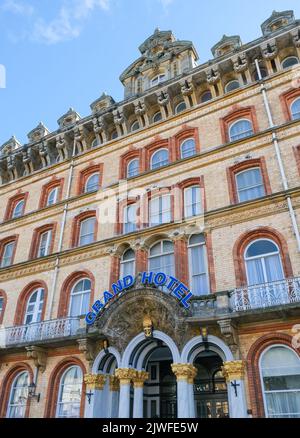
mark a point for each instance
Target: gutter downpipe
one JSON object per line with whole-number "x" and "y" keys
{"x": 278, "y": 154}
{"x": 62, "y": 230}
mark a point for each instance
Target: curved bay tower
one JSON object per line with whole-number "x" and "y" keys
{"x": 149, "y": 251}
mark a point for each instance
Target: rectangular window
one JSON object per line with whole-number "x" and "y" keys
{"x": 129, "y": 219}
{"x": 199, "y": 272}
{"x": 7, "y": 254}
{"x": 87, "y": 230}
{"x": 192, "y": 201}
{"x": 160, "y": 210}
{"x": 44, "y": 247}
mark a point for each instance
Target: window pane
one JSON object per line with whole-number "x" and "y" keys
{"x": 92, "y": 183}
{"x": 159, "y": 159}
{"x": 295, "y": 109}
{"x": 188, "y": 148}
{"x": 69, "y": 400}
{"x": 18, "y": 210}
{"x": 250, "y": 185}
{"x": 290, "y": 61}
{"x": 130, "y": 218}
{"x": 80, "y": 298}
{"x": 7, "y": 254}
{"x": 44, "y": 244}
{"x": 87, "y": 229}
{"x": 133, "y": 168}
{"x": 240, "y": 129}
{"x": 52, "y": 197}
{"x": 260, "y": 247}
{"x": 199, "y": 272}
{"x": 233, "y": 85}
{"x": 192, "y": 201}
{"x": 18, "y": 396}
{"x": 160, "y": 210}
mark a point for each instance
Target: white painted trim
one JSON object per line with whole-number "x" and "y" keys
{"x": 101, "y": 355}
{"x": 225, "y": 351}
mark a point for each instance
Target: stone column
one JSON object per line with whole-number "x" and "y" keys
{"x": 94, "y": 384}
{"x": 125, "y": 375}
{"x": 234, "y": 375}
{"x": 183, "y": 373}
{"x": 138, "y": 384}
{"x": 191, "y": 379}
{"x": 114, "y": 387}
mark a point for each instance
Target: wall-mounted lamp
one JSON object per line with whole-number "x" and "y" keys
{"x": 31, "y": 392}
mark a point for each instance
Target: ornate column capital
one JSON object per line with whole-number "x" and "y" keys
{"x": 95, "y": 381}
{"x": 125, "y": 375}
{"x": 114, "y": 384}
{"x": 184, "y": 371}
{"x": 140, "y": 378}
{"x": 234, "y": 370}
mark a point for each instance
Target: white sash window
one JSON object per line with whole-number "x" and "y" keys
{"x": 45, "y": 241}
{"x": 80, "y": 298}
{"x": 34, "y": 307}
{"x": 69, "y": 395}
{"x": 87, "y": 231}
{"x": 160, "y": 210}
{"x": 18, "y": 396}
{"x": 192, "y": 201}
{"x": 199, "y": 279}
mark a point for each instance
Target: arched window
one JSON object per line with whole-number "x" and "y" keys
{"x": 95, "y": 143}
{"x": 263, "y": 72}
{"x": 52, "y": 197}
{"x": 133, "y": 168}
{"x": 289, "y": 62}
{"x": 114, "y": 135}
{"x": 18, "y": 396}
{"x": 192, "y": 201}
{"x": 128, "y": 263}
{"x": 34, "y": 308}
{"x": 158, "y": 79}
{"x": 199, "y": 281}
{"x": 92, "y": 183}
{"x": 161, "y": 257}
{"x": 87, "y": 231}
{"x": 206, "y": 96}
{"x": 250, "y": 184}
{"x": 160, "y": 158}
{"x": 188, "y": 148}
{"x": 80, "y": 297}
{"x": 7, "y": 255}
{"x": 135, "y": 126}
{"x": 70, "y": 393}
{"x": 160, "y": 210}
{"x": 295, "y": 109}
{"x": 18, "y": 209}
{"x": 129, "y": 218}
{"x": 180, "y": 107}
{"x": 44, "y": 243}
{"x": 157, "y": 117}
{"x": 263, "y": 262}
{"x": 232, "y": 85}
{"x": 280, "y": 378}
{"x": 240, "y": 129}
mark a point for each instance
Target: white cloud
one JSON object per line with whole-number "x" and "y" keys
{"x": 66, "y": 25}
{"x": 17, "y": 7}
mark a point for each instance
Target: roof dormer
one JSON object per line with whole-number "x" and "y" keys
{"x": 277, "y": 21}
{"x": 227, "y": 44}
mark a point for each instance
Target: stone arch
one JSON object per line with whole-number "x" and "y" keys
{"x": 195, "y": 346}
{"x": 102, "y": 355}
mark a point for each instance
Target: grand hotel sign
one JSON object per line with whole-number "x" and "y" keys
{"x": 159, "y": 279}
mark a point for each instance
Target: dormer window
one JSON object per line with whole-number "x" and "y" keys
{"x": 290, "y": 61}
{"x": 158, "y": 79}
{"x": 232, "y": 85}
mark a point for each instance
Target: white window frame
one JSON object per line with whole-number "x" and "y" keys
{"x": 10, "y": 404}
{"x": 178, "y": 105}
{"x": 181, "y": 147}
{"x": 126, "y": 227}
{"x": 55, "y": 196}
{"x": 297, "y": 114}
{"x": 124, "y": 262}
{"x": 287, "y": 58}
{"x": 206, "y": 272}
{"x": 5, "y": 257}
{"x": 261, "y": 257}
{"x": 38, "y": 306}
{"x": 197, "y": 203}
{"x": 158, "y": 79}
{"x": 81, "y": 236}
{"x": 165, "y": 163}
{"x": 46, "y": 247}
{"x": 261, "y": 375}
{"x": 247, "y": 133}
{"x": 250, "y": 187}
{"x": 230, "y": 83}
{"x": 161, "y": 212}
{"x": 81, "y": 293}
{"x": 161, "y": 254}
{"x": 61, "y": 389}
{"x": 94, "y": 185}
{"x": 128, "y": 165}
{"x": 14, "y": 215}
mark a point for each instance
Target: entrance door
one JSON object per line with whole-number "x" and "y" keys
{"x": 210, "y": 388}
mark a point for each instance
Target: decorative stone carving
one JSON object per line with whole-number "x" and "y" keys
{"x": 163, "y": 98}
{"x": 118, "y": 117}
{"x": 240, "y": 63}
{"x": 277, "y": 21}
{"x": 184, "y": 371}
{"x": 226, "y": 45}
{"x": 140, "y": 378}
{"x": 139, "y": 108}
{"x": 187, "y": 88}
{"x": 213, "y": 75}
{"x": 88, "y": 348}
{"x": 105, "y": 101}
{"x": 228, "y": 330}
{"x": 148, "y": 326}
{"x": 10, "y": 146}
{"x": 95, "y": 381}
{"x": 38, "y": 133}
{"x": 39, "y": 356}
{"x": 269, "y": 49}
{"x": 125, "y": 375}
{"x": 234, "y": 370}
{"x": 69, "y": 119}
{"x": 296, "y": 37}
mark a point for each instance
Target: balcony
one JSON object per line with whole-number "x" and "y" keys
{"x": 42, "y": 331}
{"x": 261, "y": 296}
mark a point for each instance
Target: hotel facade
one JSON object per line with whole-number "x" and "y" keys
{"x": 191, "y": 187}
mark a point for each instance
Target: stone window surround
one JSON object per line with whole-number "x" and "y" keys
{"x": 12, "y": 202}
{"x": 46, "y": 189}
{"x": 36, "y": 239}
{"x": 6, "y": 241}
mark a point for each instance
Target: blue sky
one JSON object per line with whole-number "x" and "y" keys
{"x": 63, "y": 53}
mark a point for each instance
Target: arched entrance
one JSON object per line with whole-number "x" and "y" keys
{"x": 210, "y": 387}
